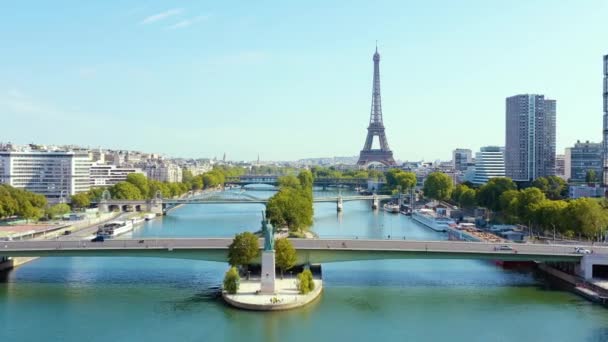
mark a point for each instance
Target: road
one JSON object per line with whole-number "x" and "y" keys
{"x": 314, "y": 249}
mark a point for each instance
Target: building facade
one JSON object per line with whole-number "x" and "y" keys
{"x": 108, "y": 175}
{"x": 530, "y": 137}
{"x": 605, "y": 132}
{"x": 461, "y": 158}
{"x": 489, "y": 163}
{"x": 584, "y": 157}
{"x": 164, "y": 172}
{"x": 54, "y": 174}
{"x": 560, "y": 165}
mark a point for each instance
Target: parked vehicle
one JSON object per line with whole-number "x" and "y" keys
{"x": 503, "y": 248}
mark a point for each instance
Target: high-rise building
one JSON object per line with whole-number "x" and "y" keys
{"x": 530, "y": 137}
{"x": 461, "y": 158}
{"x": 489, "y": 163}
{"x": 560, "y": 165}
{"x": 605, "y": 132}
{"x": 54, "y": 174}
{"x": 584, "y": 157}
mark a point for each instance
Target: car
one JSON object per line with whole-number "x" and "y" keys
{"x": 67, "y": 232}
{"x": 581, "y": 250}
{"x": 503, "y": 248}
{"x": 98, "y": 238}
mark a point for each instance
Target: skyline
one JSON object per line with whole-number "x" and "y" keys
{"x": 197, "y": 80}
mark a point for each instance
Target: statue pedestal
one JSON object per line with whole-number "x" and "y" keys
{"x": 268, "y": 274}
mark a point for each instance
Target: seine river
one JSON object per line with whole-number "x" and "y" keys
{"x": 137, "y": 299}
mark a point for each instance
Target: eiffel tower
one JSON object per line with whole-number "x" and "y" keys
{"x": 383, "y": 155}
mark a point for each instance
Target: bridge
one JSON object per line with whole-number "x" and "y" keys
{"x": 161, "y": 205}
{"x": 310, "y": 251}
{"x": 319, "y": 181}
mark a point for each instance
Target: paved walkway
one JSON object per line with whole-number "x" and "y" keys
{"x": 286, "y": 297}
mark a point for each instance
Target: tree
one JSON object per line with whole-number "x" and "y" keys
{"x": 243, "y": 249}
{"x": 81, "y": 200}
{"x": 285, "y": 255}
{"x": 58, "y": 210}
{"x": 232, "y": 281}
{"x": 438, "y": 186}
{"x": 509, "y": 204}
{"x": 552, "y": 186}
{"x": 305, "y": 282}
{"x": 126, "y": 190}
{"x": 527, "y": 200}
{"x": 458, "y": 189}
{"x": 551, "y": 215}
{"x": 290, "y": 207}
{"x": 489, "y": 194}
{"x": 306, "y": 179}
{"x": 586, "y": 216}
{"x": 468, "y": 198}
{"x": 141, "y": 182}
{"x": 590, "y": 177}
{"x": 406, "y": 180}
{"x": 289, "y": 182}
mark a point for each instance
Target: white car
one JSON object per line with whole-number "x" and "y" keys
{"x": 581, "y": 250}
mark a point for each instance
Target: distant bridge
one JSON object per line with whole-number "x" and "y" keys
{"x": 319, "y": 181}
{"x": 161, "y": 205}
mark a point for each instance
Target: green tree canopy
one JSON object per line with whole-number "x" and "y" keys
{"x": 438, "y": 186}
{"x": 289, "y": 181}
{"x": 290, "y": 207}
{"x": 306, "y": 179}
{"x": 551, "y": 215}
{"x": 305, "y": 282}
{"x": 468, "y": 198}
{"x": 527, "y": 201}
{"x": 126, "y": 190}
{"x": 232, "y": 281}
{"x": 590, "y": 176}
{"x": 141, "y": 182}
{"x": 285, "y": 255}
{"x": 243, "y": 249}
{"x": 489, "y": 194}
{"x": 509, "y": 204}
{"x": 81, "y": 200}
{"x": 586, "y": 216}
{"x": 58, "y": 210}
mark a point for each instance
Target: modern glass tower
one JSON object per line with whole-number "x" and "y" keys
{"x": 530, "y": 137}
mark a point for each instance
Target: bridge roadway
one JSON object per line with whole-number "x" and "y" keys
{"x": 308, "y": 250}
{"x": 179, "y": 201}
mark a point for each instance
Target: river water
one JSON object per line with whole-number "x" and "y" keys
{"x": 136, "y": 299}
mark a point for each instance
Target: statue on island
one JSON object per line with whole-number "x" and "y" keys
{"x": 268, "y": 232}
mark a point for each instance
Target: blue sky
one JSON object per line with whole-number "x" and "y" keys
{"x": 291, "y": 80}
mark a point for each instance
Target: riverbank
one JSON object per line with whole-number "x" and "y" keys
{"x": 73, "y": 229}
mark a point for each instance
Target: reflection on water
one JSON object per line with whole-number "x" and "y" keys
{"x": 132, "y": 299}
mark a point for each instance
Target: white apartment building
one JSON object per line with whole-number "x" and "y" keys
{"x": 108, "y": 175}
{"x": 164, "y": 172}
{"x": 489, "y": 163}
{"x": 54, "y": 174}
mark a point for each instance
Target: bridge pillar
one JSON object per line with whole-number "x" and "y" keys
{"x": 339, "y": 204}
{"x": 593, "y": 262}
{"x": 103, "y": 207}
{"x": 375, "y": 202}
{"x": 155, "y": 206}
